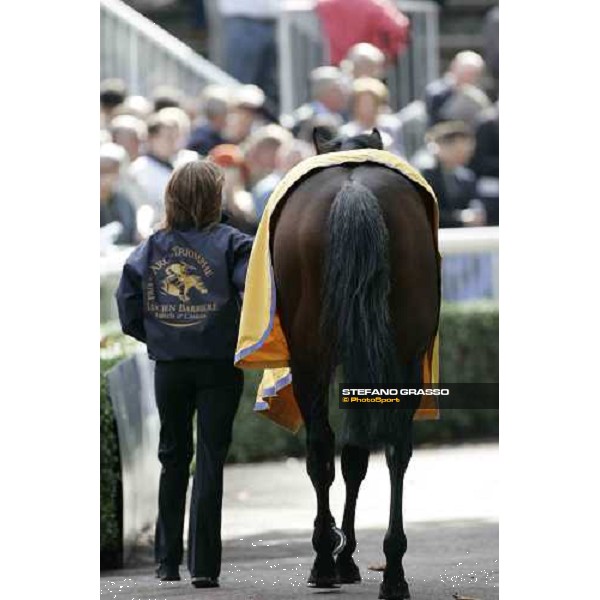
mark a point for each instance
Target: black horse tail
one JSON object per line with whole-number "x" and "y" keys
{"x": 355, "y": 314}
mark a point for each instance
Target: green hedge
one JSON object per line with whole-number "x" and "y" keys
{"x": 468, "y": 353}
{"x": 469, "y": 342}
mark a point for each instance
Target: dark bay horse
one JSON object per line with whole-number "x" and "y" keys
{"x": 358, "y": 286}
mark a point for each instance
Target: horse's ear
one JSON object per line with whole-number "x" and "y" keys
{"x": 377, "y": 139}
{"x": 321, "y": 138}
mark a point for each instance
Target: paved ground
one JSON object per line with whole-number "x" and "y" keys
{"x": 451, "y": 510}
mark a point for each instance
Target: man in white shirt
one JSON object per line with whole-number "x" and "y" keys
{"x": 152, "y": 170}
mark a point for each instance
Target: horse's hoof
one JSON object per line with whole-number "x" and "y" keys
{"x": 317, "y": 580}
{"x": 347, "y": 571}
{"x": 394, "y": 591}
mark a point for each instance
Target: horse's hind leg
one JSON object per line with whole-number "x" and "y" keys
{"x": 394, "y": 585}
{"x": 398, "y": 454}
{"x": 312, "y": 400}
{"x": 355, "y": 461}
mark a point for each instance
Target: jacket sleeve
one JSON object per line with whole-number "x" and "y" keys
{"x": 130, "y": 298}
{"x": 240, "y": 248}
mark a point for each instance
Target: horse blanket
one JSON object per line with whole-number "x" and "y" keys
{"x": 261, "y": 341}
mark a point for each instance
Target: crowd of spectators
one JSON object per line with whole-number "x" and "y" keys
{"x": 451, "y": 135}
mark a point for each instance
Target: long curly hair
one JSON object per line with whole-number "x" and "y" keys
{"x": 193, "y": 196}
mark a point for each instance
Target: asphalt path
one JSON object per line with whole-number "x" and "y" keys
{"x": 451, "y": 515}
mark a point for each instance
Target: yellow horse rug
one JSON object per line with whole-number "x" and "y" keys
{"x": 261, "y": 342}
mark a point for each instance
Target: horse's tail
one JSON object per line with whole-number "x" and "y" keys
{"x": 355, "y": 305}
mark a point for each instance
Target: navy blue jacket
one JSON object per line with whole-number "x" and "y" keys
{"x": 180, "y": 292}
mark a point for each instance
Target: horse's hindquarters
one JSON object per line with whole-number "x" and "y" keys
{"x": 299, "y": 246}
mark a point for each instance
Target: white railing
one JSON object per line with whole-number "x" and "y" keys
{"x": 144, "y": 55}
{"x": 469, "y": 267}
{"x": 470, "y": 258}
{"x": 470, "y": 240}
{"x": 302, "y": 48}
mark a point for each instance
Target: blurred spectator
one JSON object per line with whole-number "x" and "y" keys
{"x": 465, "y": 104}
{"x": 245, "y": 115}
{"x": 114, "y": 205}
{"x": 209, "y": 133}
{"x": 456, "y": 96}
{"x": 452, "y": 181}
{"x": 238, "y": 207}
{"x": 250, "y": 30}
{"x": 331, "y": 122}
{"x": 166, "y": 96}
{"x": 136, "y": 106}
{"x": 491, "y": 35}
{"x": 364, "y": 60}
{"x": 261, "y": 151}
{"x": 348, "y": 22}
{"x": 485, "y": 162}
{"x": 153, "y": 169}
{"x": 130, "y": 132}
{"x": 369, "y": 96}
{"x": 288, "y": 156}
{"x": 105, "y": 136}
{"x": 413, "y": 118}
{"x": 112, "y": 94}
{"x": 180, "y": 120}
{"x": 329, "y": 92}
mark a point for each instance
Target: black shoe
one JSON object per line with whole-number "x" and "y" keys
{"x": 168, "y": 573}
{"x": 205, "y": 582}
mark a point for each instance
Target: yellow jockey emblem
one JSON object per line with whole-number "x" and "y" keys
{"x": 180, "y": 280}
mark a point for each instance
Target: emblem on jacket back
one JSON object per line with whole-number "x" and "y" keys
{"x": 176, "y": 291}
{"x": 180, "y": 280}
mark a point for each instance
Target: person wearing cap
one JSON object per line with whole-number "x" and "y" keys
{"x": 209, "y": 132}
{"x": 369, "y": 99}
{"x": 179, "y": 294}
{"x": 451, "y": 145}
{"x": 115, "y": 206}
{"x": 246, "y": 114}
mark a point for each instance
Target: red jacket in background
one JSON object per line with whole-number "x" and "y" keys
{"x": 348, "y": 22}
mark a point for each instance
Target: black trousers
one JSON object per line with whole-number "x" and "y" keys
{"x": 212, "y": 388}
